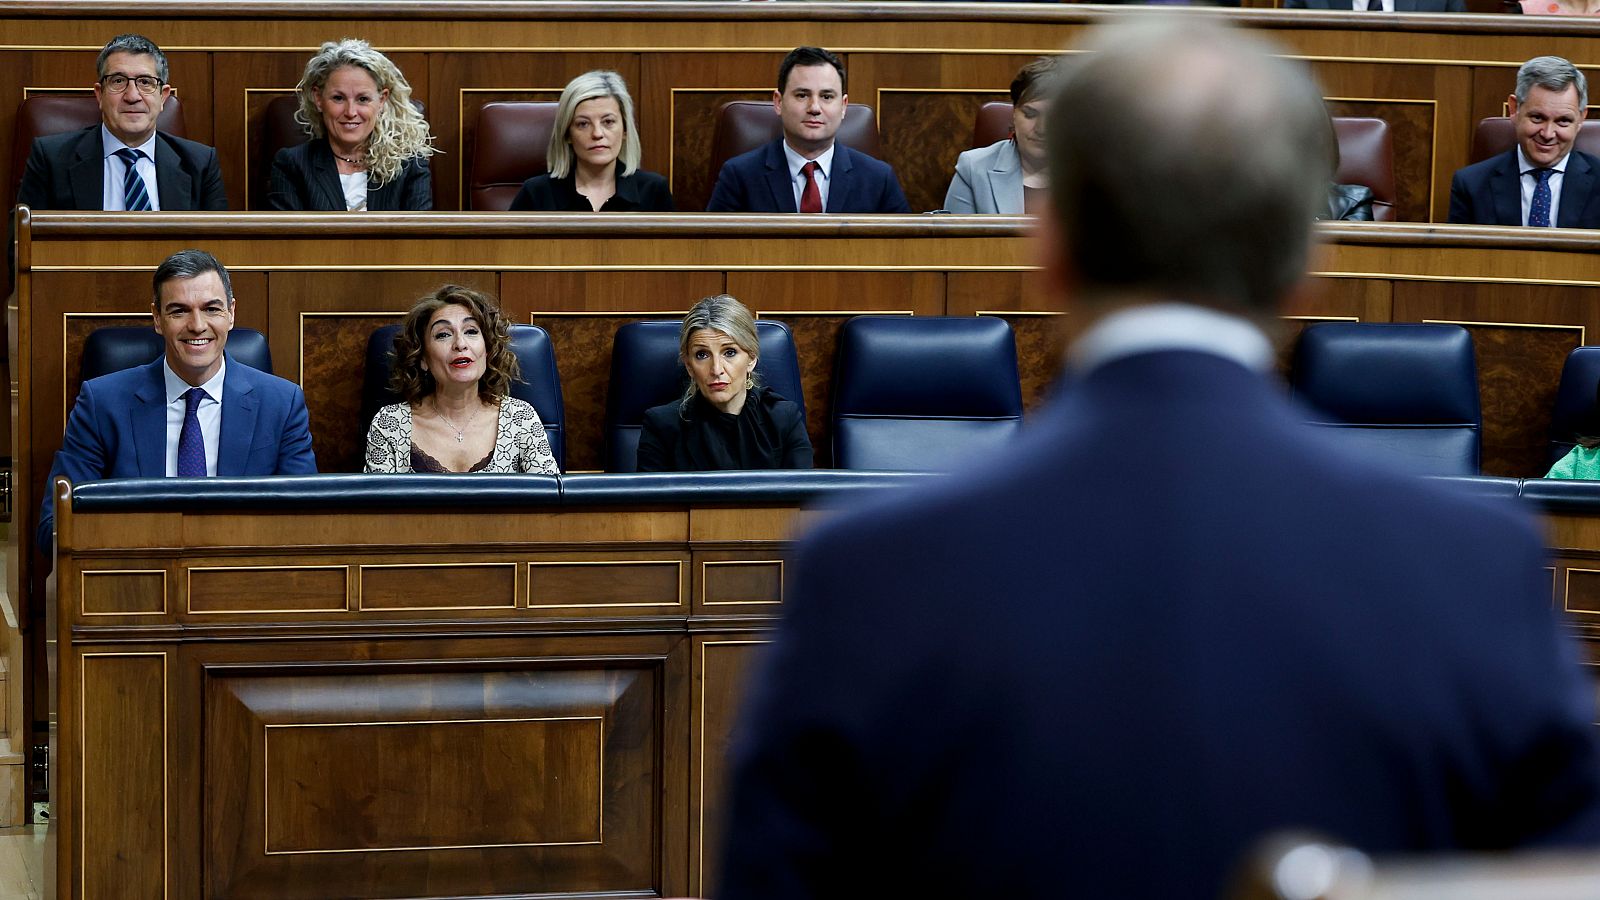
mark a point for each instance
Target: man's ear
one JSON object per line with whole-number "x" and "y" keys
{"x": 1511, "y": 105}
{"x": 777, "y": 102}
{"x": 844, "y": 101}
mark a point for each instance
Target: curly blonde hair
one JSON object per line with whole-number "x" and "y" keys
{"x": 399, "y": 133}
{"x": 411, "y": 378}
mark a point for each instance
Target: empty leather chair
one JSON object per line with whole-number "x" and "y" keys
{"x": 646, "y": 372}
{"x": 744, "y": 125}
{"x": 993, "y": 123}
{"x": 48, "y": 114}
{"x": 540, "y": 386}
{"x": 917, "y": 393}
{"x": 1366, "y": 157}
{"x": 509, "y": 148}
{"x": 1575, "y": 413}
{"x": 119, "y": 347}
{"x": 1407, "y": 393}
{"x": 1497, "y": 134}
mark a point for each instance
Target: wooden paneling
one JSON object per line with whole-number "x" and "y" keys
{"x": 726, "y": 580}
{"x": 1583, "y": 591}
{"x": 677, "y": 104}
{"x": 267, "y": 589}
{"x": 606, "y": 583}
{"x": 124, "y": 592}
{"x": 439, "y": 586}
{"x": 720, "y": 667}
{"x": 123, "y": 783}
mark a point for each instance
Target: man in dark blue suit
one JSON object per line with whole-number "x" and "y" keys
{"x": 194, "y": 412}
{"x": 806, "y": 170}
{"x": 1171, "y": 618}
{"x": 1542, "y": 181}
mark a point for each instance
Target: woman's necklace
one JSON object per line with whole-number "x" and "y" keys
{"x": 362, "y": 164}
{"x": 461, "y": 433}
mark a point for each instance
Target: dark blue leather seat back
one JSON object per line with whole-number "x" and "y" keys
{"x": 915, "y": 393}
{"x": 1575, "y": 412}
{"x": 540, "y": 386}
{"x": 645, "y": 372}
{"x": 113, "y": 349}
{"x": 1408, "y": 393}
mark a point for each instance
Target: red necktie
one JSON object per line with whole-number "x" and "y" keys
{"x": 811, "y": 197}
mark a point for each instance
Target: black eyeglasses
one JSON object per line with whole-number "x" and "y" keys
{"x": 116, "y": 84}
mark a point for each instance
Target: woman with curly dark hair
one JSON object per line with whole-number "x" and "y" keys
{"x": 453, "y": 367}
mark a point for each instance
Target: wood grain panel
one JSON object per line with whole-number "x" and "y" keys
{"x": 243, "y": 84}
{"x": 468, "y": 780}
{"x": 123, "y": 787}
{"x": 1518, "y": 367}
{"x": 733, "y": 582}
{"x": 124, "y": 592}
{"x": 1023, "y": 300}
{"x": 720, "y": 668}
{"x": 459, "y": 83}
{"x": 1583, "y": 591}
{"x": 677, "y": 103}
{"x": 266, "y": 589}
{"x": 923, "y": 133}
{"x": 606, "y": 583}
{"x": 814, "y": 305}
{"x": 441, "y": 586}
{"x": 549, "y": 779}
{"x": 566, "y": 305}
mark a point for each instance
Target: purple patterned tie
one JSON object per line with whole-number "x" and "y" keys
{"x": 1539, "y": 209}
{"x": 191, "y": 443}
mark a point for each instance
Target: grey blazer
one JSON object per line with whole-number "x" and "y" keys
{"x": 988, "y": 180}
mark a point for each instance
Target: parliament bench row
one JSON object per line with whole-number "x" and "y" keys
{"x": 512, "y": 136}
{"x": 1408, "y": 391}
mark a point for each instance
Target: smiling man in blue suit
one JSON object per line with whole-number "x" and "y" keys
{"x": 192, "y": 413}
{"x": 806, "y": 170}
{"x": 1171, "y": 618}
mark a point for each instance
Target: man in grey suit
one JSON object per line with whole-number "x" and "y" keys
{"x": 1445, "y": 6}
{"x": 1001, "y": 177}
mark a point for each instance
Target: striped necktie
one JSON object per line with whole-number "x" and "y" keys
{"x": 135, "y": 196}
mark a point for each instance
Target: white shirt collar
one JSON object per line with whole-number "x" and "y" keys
{"x": 824, "y": 161}
{"x": 177, "y": 387}
{"x": 110, "y": 144}
{"x": 1171, "y": 326}
{"x": 1523, "y": 166}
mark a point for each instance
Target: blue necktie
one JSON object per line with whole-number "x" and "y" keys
{"x": 1539, "y": 210}
{"x": 191, "y": 443}
{"x": 135, "y": 196}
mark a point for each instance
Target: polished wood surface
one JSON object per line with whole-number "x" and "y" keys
{"x": 221, "y": 738}
{"x": 923, "y": 67}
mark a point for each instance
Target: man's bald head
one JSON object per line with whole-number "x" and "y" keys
{"x": 1187, "y": 162}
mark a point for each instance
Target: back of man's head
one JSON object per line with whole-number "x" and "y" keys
{"x": 1186, "y": 163}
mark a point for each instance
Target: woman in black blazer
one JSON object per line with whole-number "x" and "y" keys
{"x": 369, "y": 146}
{"x": 725, "y": 419}
{"x": 594, "y": 155}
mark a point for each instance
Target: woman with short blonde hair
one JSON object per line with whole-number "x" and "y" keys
{"x": 594, "y": 154}
{"x": 369, "y": 146}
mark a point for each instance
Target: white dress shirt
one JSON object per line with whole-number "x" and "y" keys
{"x": 1529, "y": 182}
{"x": 1366, "y": 5}
{"x": 111, "y": 195}
{"x": 355, "y": 191}
{"x": 797, "y": 179}
{"x": 1171, "y": 326}
{"x": 209, "y": 413}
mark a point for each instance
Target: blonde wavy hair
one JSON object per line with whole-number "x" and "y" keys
{"x": 399, "y": 133}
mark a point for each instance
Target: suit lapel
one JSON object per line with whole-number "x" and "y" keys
{"x": 1577, "y": 189}
{"x": 1506, "y": 189}
{"x": 840, "y": 181}
{"x": 778, "y": 178}
{"x": 150, "y": 422}
{"x": 171, "y": 185}
{"x": 87, "y": 171}
{"x": 1006, "y": 190}
{"x": 239, "y": 405}
{"x": 325, "y": 176}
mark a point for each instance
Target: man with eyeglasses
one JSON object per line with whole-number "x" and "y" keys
{"x": 124, "y": 163}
